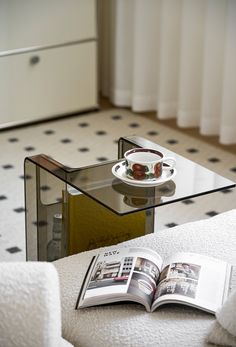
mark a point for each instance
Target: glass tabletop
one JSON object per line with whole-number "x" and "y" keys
{"x": 99, "y": 183}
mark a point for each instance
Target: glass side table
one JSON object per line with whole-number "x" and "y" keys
{"x": 73, "y": 210}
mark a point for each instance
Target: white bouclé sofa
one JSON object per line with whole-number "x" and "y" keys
{"x": 129, "y": 324}
{"x": 32, "y": 299}
{"x": 30, "y": 312}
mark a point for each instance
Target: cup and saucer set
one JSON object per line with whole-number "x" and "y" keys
{"x": 145, "y": 167}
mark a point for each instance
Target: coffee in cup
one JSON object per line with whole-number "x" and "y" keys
{"x": 146, "y": 163}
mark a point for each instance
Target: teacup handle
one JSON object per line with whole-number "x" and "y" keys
{"x": 170, "y": 159}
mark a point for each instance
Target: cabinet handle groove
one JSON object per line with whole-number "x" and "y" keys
{"x": 35, "y": 59}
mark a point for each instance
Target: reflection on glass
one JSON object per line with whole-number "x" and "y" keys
{"x": 143, "y": 197}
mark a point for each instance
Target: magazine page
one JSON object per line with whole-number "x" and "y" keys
{"x": 122, "y": 274}
{"x": 144, "y": 276}
{"x": 193, "y": 279}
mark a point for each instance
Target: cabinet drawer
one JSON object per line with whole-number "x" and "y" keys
{"x": 48, "y": 82}
{"x": 30, "y": 23}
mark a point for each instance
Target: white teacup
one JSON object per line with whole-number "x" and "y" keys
{"x": 146, "y": 163}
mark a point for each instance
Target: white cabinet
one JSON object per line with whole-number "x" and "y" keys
{"x": 48, "y": 59}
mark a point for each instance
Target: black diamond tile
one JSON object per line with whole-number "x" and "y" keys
{"x": 102, "y": 159}
{"x": 29, "y": 148}
{"x": 44, "y": 188}
{"x": 83, "y": 125}
{"x": 49, "y": 132}
{"x": 212, "y": 213}
{"x": 40, "y": 223}
{"x": 171, "y": 225}
{"x": 116, "y": 117}
{"x": 192, "y": 150}
{"x": 66, "y": 140}
{"x": 134, "y": 125}
{"x": 27, "y": 177}
{"x": 3, "y": 197}
{"x": 152, "y": 133}
{"x": 226, "y": 191}
{"x": 13, "y": 249}
{"x": 214, "y": 160}
{"x": 172, "y": 141}
{"x": 19, "y": 209}
{"x": 13, "y": 139}
{"x": 83, "y": 149}
{"x": 7, "y": 166}
{"x": 100, "y": 132}
{"x": 233, "y": 169}
{"x": 188, "y": 202}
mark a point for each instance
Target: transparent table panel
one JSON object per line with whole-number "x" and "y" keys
{"x": 96, "y": 208}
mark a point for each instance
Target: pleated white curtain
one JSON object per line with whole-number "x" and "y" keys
{"x": 177, "y": 57}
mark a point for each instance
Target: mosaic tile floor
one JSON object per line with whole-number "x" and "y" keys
{"x": 90, "y": 138}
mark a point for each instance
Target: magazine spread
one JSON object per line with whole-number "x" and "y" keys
{"x": 142, "y": 276}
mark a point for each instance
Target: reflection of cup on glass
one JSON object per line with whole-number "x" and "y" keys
{"x": 146, "y": 163}
{"x": 136, "y": 201}
{"x": 141, "y": 197}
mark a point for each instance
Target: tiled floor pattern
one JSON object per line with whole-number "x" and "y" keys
{"x": 90, "y": 138}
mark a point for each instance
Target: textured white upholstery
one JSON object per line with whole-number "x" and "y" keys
{"x": 129, "y": 324}
{"x": 30, "y": 313}
{"x": 223, "y": 331}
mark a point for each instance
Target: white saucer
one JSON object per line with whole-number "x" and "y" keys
{"x": 118, "y": 170}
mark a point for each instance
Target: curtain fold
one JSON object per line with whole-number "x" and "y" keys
{"x": 228, "y": 109}
{"x": 168, "y": 80}
{"x": 213, "y": 62}
{"x": 175, "y": 57}
{"x": 191, "y": 58}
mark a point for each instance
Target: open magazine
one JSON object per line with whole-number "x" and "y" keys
{"x": 142, "y": 276}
